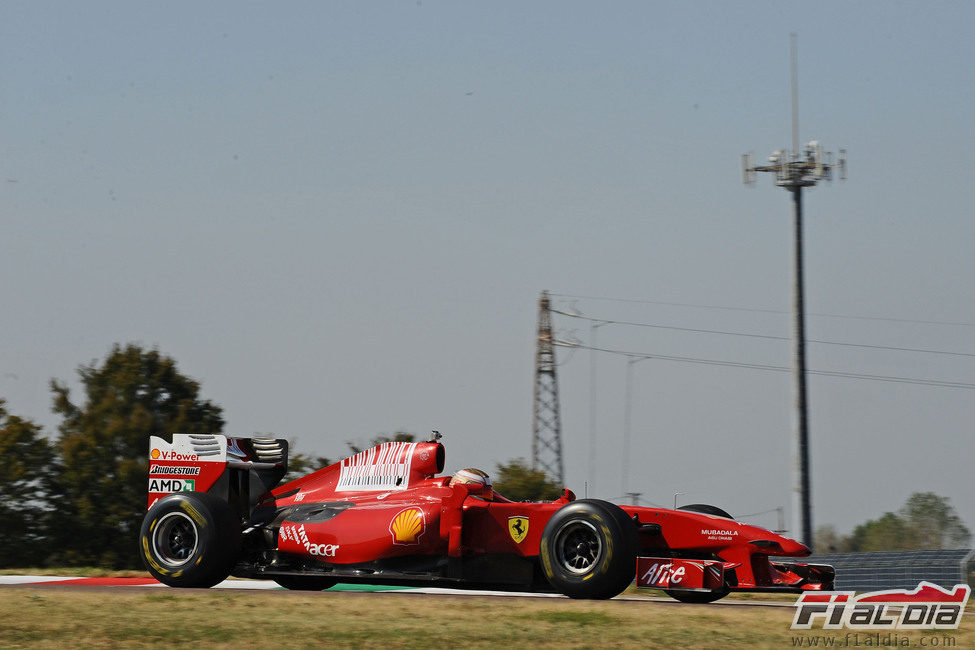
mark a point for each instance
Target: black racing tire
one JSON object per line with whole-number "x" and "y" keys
{"x": 190, "y": 539}
{"x": 705, "y": 509}
{"x": 305, "y": 583}
{"x": 696, "y": 597}
{"x": 700, "y": 597}
{"x": 588, "y": 549}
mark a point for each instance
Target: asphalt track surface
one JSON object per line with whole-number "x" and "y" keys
{"x": 137, "y": 584}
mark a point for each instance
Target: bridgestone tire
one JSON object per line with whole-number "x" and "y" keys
{"x": 588, "y": 549}
{"x": 700, "y": 597}
{"x": 305, "y": 583}
{"x": 190, "y": 539}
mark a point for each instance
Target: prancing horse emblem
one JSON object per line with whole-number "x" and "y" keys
{"x": 518, "y": 527}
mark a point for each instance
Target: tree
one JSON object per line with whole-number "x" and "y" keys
{"x": 888, "y": 533}
{"x": 104, "y": 446}
{"x": 300, "y": 464}
{"x": 27, "y": 459}
{"x": 827, "y": 540}
{"x": 519, "y": 482}
{"x": 926, "y": 521}
{"x": 934, "y": 522}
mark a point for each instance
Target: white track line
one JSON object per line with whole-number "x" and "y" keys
{"x": 439, "y": 591}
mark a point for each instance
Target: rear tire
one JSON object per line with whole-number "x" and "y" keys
{"x": 305, "y": 583}
{"x": 190, "y": 539}
{"x": 588, "y": 549}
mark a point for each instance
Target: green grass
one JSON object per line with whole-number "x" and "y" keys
{"x": 571, "y": 617}
{"x": 52, "y": 617}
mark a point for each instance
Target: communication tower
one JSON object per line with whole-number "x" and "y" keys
{"x": 793, "y": 171}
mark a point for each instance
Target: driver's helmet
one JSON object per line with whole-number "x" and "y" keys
{"x": 475, "y": 476}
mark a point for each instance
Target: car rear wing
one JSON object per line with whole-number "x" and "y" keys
{"x": 238, "y": 470}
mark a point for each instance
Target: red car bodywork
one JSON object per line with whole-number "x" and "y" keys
{"x": 384, "y": 515}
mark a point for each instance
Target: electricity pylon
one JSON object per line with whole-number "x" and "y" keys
{"x": 546, "y": 419}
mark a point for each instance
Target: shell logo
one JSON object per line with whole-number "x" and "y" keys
{"x": 155, "y": 454}
{"x": 407, "y": 526}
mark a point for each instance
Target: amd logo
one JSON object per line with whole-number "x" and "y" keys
{"x": 172, "y": 485}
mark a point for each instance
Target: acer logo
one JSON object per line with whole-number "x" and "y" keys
{"x": 325, "y": 550}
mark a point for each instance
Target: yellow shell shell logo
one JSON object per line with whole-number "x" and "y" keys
{"x": 407, "y": 526}
{"x": 155, "y": 454}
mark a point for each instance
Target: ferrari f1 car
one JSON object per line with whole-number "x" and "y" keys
{"x": 384, "y": 516}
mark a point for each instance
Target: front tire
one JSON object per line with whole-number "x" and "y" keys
{"x": 588, "y": 549}
{"x": 190, "y": 539}
{"x": 700, "y": 597}
{"x": 706, "y": 509}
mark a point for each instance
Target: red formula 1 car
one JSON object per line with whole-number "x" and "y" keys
{"x": 383, "y": 516}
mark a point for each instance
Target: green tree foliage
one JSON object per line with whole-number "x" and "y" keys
{"x": 519, "y": 482}
{"x": 27, "y": 462}
{"x": 104, "y": 443}
{"x": 827, "y": 540}
{"x": 300, "y": 464}
{"x": 926, "y": 521}
{"x": 934, "y": 522}
{"x": 888, "y": 533}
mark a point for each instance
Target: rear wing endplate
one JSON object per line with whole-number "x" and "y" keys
{"x": 238, "y": 470}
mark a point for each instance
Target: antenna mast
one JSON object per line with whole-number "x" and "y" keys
{"x": 793, "y": 171}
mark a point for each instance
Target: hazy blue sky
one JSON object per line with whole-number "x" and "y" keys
{"x": 339, "y": 216}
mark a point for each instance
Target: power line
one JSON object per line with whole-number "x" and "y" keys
{"x": 937, "y": 383}
{"x": 762, "y": 336}
{"x": 755, "y": 514}
{"x": 761, "y": 311}
{"x": 629, "y": 495}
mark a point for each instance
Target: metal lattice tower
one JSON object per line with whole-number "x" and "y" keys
{"x": 546, "y": 419}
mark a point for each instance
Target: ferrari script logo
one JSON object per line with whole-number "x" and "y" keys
{"x": 518, "y": 528}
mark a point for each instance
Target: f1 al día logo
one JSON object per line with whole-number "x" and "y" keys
{"x": 929, "y": 607}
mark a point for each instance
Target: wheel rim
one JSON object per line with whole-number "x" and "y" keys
{"x": 578, "y": 547}
{"x": 175, "y": 539}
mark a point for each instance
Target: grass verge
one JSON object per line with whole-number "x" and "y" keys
{"x": 50, "y": 617}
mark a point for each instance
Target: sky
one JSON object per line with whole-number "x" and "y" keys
{"x": 339, "y": 217}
